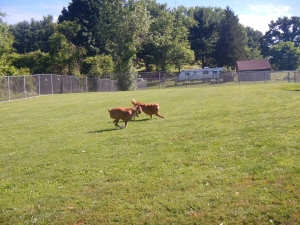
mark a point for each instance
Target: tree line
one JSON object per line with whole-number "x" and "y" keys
{"x": 95, "y": 38}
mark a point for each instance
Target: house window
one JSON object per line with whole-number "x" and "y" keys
{"x": 205, "y": 72}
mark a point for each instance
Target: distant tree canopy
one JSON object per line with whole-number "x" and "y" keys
{"x": 124, "y": 34}
{"x": 281, "y": 31}
{"x": 285, "y": 56}
{"x": 6, "y": 50}
{"x": 253, "y": 44}
{"x": 87, "y": 15}
{"x": 33, "y": 36}
{"x": 204, "y": 35}
{"x": 232, "y": 42}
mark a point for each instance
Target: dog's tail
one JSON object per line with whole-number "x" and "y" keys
{"x": 133, "y": 101}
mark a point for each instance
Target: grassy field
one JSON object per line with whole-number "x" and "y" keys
{"x": 223, "y": 155}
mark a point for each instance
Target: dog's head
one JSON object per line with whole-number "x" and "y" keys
{"x": 138, "y": 109}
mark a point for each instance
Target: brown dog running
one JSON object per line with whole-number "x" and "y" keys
{"x": 149, "y": 109}
{"x": 124, "y": 114}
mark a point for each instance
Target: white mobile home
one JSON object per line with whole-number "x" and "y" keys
{"x": 205, "y": 74}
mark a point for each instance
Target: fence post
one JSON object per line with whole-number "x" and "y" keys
{"x": 110, "y": 82}
{"x": 79, "y": 84}
{"x": 8, "y": 86}
{"x": 39, "y": 84}
{"x": 51, "y": 83}
{"x": 86, "y": 88}
{"x": 24, "y": 86}
{"x": 63, "y": 84}
{"x": 71, "y": 84}
{"x": 99, "y": 89}
{"x": 265, "y": 77}
{"x": 186, "y": 85}
{"x": 289, "y": 76}
{"x": 159, "y": 79}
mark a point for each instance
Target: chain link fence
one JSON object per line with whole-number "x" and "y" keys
{"x": 159, "y": 80}
{"x": 16, "y": 87}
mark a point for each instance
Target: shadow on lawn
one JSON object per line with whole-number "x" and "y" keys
{"x": 117, "y": 128}
{"x": 138, "y": 120}
{"x": 104, "y": 130}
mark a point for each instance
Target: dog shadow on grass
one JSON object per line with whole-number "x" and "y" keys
{"x": 104, "y": 130}
{"x": 139, "y": 120}
{"x": 117, "y": 128}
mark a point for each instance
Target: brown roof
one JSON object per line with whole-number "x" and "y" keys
{"x": 250, "y": 65}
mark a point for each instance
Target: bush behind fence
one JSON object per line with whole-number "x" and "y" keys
{"x": 16, "y": 87}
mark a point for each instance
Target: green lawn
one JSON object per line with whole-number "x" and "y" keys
{"x": 224, "y": 155}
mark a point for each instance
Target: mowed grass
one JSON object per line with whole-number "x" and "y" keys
{"x": 223, "y": 155}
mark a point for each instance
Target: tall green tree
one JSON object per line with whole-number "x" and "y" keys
{"x": 285, "y": 56}
{"x": 6, "y": 49}
{"x": 65, "y": 56}
{"x": 6, "y": 37}
{"x": 253, "y": 44}
{"x": 232, "y": 42}
{"x": 168, "y": 46}
{"x": 180, "y": 53}
{"x": 283, "y": 30}
{"x": 124, "y": 27}
{"x": 204, "y": 35}
{"x": 33, "y": 36}
{"x": 87, "y": 15}
{"x": 148, "y": 53}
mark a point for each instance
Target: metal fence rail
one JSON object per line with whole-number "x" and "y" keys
{"x": 16, "y": 87}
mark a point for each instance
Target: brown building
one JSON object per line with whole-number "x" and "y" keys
{"x": 253, "y": 70}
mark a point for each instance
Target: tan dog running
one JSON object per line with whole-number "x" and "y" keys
{"x": 149, "y": 109}
{"x": 124, "y": 114}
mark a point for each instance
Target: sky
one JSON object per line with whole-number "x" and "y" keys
{"x": 255, "y": 14}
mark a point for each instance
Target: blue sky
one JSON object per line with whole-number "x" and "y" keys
{"x": 255, "y": 14}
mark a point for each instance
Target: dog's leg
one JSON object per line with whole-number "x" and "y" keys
{"x": 135, "y": 115}
{"x": 116, "y": 121}
{"x": 159, "y": 115}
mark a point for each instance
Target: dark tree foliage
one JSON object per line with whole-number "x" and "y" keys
{"x": 148, "y": 52}
{"x": 37, "y": 62}
{"x": 285, "y": 56}
{"x": 167, "y": 45}
{"x": 232, "y": 43}
{"x": 204, "y": 34}
{"x": 33, "y": 36}
{"x": 254, "y": 37}
{"x": 283, "y": 30}
{"x": 87, "y": 15}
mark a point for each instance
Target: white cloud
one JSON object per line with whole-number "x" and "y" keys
{"x": 258, "y": 16}
{"x": 19, "y": 14}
